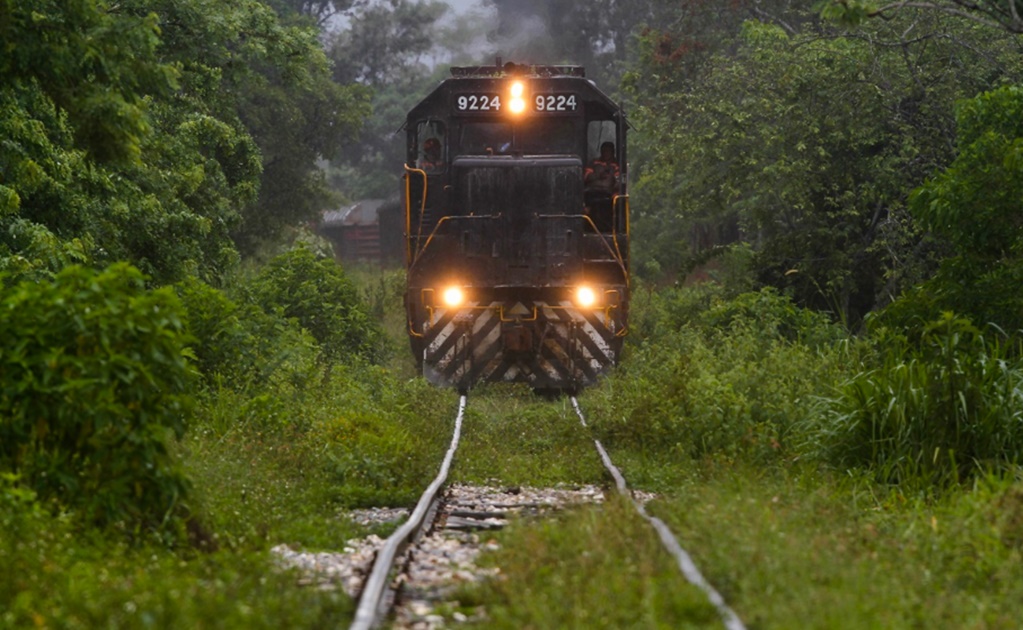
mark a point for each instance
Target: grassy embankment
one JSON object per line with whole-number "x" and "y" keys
{"x": 284, "y": 433}
{"x": 732, "y": 410}
{"x": 747, "y": 417}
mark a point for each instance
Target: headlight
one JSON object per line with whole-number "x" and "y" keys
{"x": 517, "y": 102}
{"x": 453, "y": 296}
{"x": 585, "y": 297}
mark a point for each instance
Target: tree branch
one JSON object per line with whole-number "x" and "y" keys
{"x": 1010, "y": 22}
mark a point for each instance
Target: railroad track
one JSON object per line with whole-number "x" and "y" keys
{"x": 459, "y": 510}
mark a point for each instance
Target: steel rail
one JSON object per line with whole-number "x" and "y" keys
{"x": 371, "y": 602}
{"x": 685, "y": 562}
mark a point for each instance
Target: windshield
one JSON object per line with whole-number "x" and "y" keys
{"x": 486, "y": 138}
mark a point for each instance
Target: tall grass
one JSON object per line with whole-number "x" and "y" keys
{"x": 721, "y": 378}
{"x": 934, "y": 412}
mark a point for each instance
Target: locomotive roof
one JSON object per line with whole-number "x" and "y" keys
{"x": 514, "y": 69}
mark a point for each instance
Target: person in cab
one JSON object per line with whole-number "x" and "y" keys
{"x": 602, "y": 173}
{"x": 432, "y": 160}
{"x": 600, "y": 179}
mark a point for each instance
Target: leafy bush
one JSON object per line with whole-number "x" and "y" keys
{"x": 316, "y": 292}
{"x": 93, "y": 386}
{"x": 242, "y": 346}
{"x": 19, "y": 510}
{"x": 973, "y": 204}
{"x": 684, "y": 306}
{"x": 40, "y": 253}
{"x": 930, "y": 413}
{"x": 732, "y": 379}
{"x": 776, "y": 316}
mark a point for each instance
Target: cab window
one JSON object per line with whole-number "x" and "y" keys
{"x": 485, "y": 138}
{"x": 548, "y": 136}
{"x": 431, "y": 147}
{"x": 597, "y": 133}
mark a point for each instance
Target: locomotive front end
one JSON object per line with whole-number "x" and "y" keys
{"x": 517, "y": 271}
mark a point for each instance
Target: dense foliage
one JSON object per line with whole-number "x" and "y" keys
{"x": 719, "y": 376}
{"x": 816, "y": 175}
{"x": 756, "y": 378}
{"x": 991, "y": 13}
{"x": 241, "y": 346}
{"x": 933, "y": 413}
{"x": 169, "y": 135}
{"x": 317, "y": 294}
{"x": 974, "y": 204}
{"x": 94, "y": 386}
{"x": 805, "y": 143}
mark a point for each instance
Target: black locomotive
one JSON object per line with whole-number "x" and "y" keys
{"x": 517, "y": 228}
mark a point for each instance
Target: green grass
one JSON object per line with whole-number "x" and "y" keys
{"x": 804, "y": 550}
{"x": 590, "y": 568}
{"x": 724, "y": 424}
{"x": 361, "y": 439}
{"x": 516, "y": 437}
{"x": 727, "y": 426}
{"x": 58, "y": 576}
{"x": 933, "y": 413}
{"x": 787, "y": 549}
{"x": 264, "y": 471}
{"x": 64, "y": 582}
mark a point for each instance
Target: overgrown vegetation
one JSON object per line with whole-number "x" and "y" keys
{"x": 759, "y": 379}
{"x": 722, "y": 377}
{"x": 95, "y": 387}
{"x": 934, "y": 413}
{"x": 818, "y": 480}
{"x": 835, "y": 417}
{"x": 805, "y": 141}
{"x": 800, "y": 549}
{"x": 285, "y": 430}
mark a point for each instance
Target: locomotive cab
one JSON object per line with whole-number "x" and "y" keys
{"x": 501, "y": 203}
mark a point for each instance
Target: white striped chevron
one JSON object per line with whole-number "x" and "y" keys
{"x": 561, "y": 346}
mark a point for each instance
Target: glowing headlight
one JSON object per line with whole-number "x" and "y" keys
{"x": 517, "y": 104}
{"x": 453, "y": 296}
{"x": 585, "y": 297}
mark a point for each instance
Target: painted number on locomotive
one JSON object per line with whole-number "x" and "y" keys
{"x": 555, "y": 103}
{"x": 478, "y": 102}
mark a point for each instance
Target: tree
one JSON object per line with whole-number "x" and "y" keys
{"x": 1003, "y": 14}
{"x": 81, "y": 179}
{"x": 805, "y": 146}
{"x": 386, "y": 42}
{"x": 387, "y": 48}
{"x": 272, "y": 82}
{"x": 593, "y": 34}
{"x": 100, "y": 65}
{"x": 319, "y": 11}
{"x": 974, "y": 203}
{"x": 157, "y": 131}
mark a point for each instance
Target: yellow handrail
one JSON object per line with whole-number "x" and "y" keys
{"x": 408, "y": 211}
{"x": 614, "y": 204}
